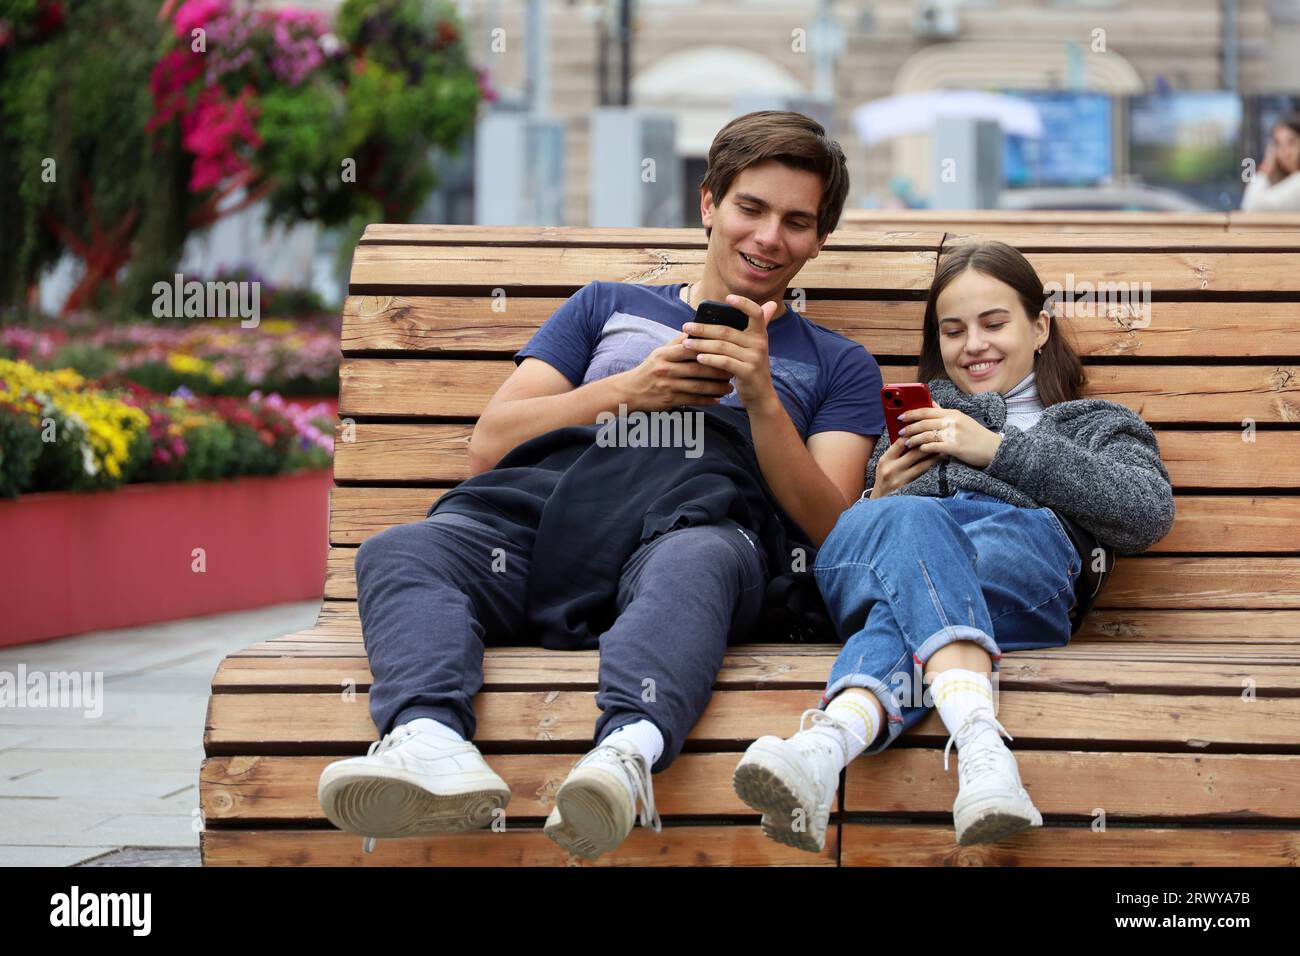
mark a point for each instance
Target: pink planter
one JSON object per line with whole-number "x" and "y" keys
{"x": 72, "y": 562}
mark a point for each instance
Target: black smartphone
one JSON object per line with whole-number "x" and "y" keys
{"x": 719, "y": 313}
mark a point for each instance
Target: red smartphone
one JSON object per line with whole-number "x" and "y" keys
{"x": 901, "y": 398}
{"x": 719, "y": 313}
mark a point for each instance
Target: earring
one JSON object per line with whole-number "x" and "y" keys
{"x": 1038, "y": 351}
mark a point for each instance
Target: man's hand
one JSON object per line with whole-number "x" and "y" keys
{"x": 947, "y": 431}
{"x": 742, "y": 355}
{"x": 670, "y": 377}
{"x": 898, "y": 466}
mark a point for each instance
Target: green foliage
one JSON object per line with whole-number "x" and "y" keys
{"x": 79, "y": 96}
{"x": 79, "y": 93}
{"x": 90, "y": 360}
{"x": 20, "y": 446}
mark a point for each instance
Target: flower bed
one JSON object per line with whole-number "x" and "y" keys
{"x": 120, "y": 521}
{"x": 59, "y": 431}
{"x": 209, "y": 358}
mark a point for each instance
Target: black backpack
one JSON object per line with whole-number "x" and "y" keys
{"x": 1089, "y": 583}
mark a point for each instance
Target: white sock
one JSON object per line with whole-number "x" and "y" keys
{"x": 430, "y": 726}
{"x": 858, "y": 718}
{"x": 959, "y": 693}
{"x": 647, "y": 739}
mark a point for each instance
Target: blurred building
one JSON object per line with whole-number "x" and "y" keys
{"x": 698, "y": 59}
{"x": 695, "y": 58}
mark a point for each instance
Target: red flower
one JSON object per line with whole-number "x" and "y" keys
{"x": 51, "y": 17}
{"x": 168, "y": 83}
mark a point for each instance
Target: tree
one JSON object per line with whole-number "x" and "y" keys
{"x": 161, "y": 120}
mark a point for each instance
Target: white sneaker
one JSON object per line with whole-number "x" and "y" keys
{"x": 991, "y": 804}
{"x": 793, "y": 782}
{"x": 593, "y": 812}
{"x": 411, "y": 783}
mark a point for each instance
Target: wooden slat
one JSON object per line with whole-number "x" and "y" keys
{"x": 1146, "y": 786}
{"x": 910, "y": 237}
{"x": 675, "y": 846}
{"x": 1049, "y": 219}
{"x": 284, "y": 788}
{"x": 533, "y": 668}
{"x": 1137, "y": 582}
{"x": 1263, "y": 220}
{"x": 886, "y": 328}
{"x": 423, "y": 267}
{"x": 1127, "y": 785}
{"x": 1160, "y": 394}
{"x": 1035, "y": 238}
{"x": 867, "y": 844}
{"x": 1194, "y": 459}
{"x": 1183, "y": 625}
{"x": 1064, "y": 669}
{"x": 1201, "y": 523}
{"x": 305, "y": 723}
{"x": 338, "y": 620}
{"x": 1177, "y": 272}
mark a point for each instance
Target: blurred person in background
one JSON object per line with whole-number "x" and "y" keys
{"x": 1276, "y": 186}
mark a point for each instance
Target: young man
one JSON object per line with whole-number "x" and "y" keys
{"x": 808, "y": 405}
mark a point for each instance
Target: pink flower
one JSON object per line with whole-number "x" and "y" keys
{"x": 196, "y": 13}
{"x": 214, "y": 131}
{"x": 169, "y": 81}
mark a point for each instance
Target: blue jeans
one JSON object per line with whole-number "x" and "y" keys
{"x": 905, "y": 575}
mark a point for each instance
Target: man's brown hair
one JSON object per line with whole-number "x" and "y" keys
{"x": 790, "y": 138}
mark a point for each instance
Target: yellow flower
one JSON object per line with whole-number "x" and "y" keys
{"x": 180, "y": 362}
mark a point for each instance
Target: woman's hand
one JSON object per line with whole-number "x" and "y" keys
{"x": 1269, "y": 167}
{"x": 898, "y": 466}
{"x": 948, "y": 431}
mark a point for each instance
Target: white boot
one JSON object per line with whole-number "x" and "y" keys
{"x": 793, "y": 782}
{"x": 991, "y": 803}
{"x": 411, "y": 783}
{"x": 594, "y": 812}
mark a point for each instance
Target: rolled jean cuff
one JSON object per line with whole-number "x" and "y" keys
{"x": 893, "y": 714}
{"x": 886, "y": 695}
{"x": 960, "y": 632}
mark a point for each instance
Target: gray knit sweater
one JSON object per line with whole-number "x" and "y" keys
{"x": 1093, "y": 460}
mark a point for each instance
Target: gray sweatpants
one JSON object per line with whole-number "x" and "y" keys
{"x": 434, "y": 593}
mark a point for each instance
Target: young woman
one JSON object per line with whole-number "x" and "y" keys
{"x": 1276, "y": 186}
{"x": 959, "y": 553}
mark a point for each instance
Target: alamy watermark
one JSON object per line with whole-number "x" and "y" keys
{"x": 208, "y": 300}
{"x": 1128, "y": 302}
{"x": 55, "y": 690}
{"x": 674, "y": 429}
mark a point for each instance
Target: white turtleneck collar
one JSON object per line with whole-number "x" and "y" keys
{"x": 1023, "y": 407}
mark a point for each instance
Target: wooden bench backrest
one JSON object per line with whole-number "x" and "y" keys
{"x": 961, "y": 220}
{"x": 435, "y": 313}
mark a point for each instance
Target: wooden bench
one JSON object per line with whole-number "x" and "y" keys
{"x": 963, "y": 220}
{"x": 1175, "y": 712}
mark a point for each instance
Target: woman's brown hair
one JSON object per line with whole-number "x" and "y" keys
{"x": 791, "y": 138}
{"x": 1058, "y": 372}
{"x": 1292, "y": 122}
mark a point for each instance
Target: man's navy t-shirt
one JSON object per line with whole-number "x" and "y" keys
{"x": 825, "y": 381}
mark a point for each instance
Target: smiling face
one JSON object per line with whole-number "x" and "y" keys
{"x": 763, "y": 231}
{"x": 1286, "y": 146}
{"x": 982, "y": 321}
